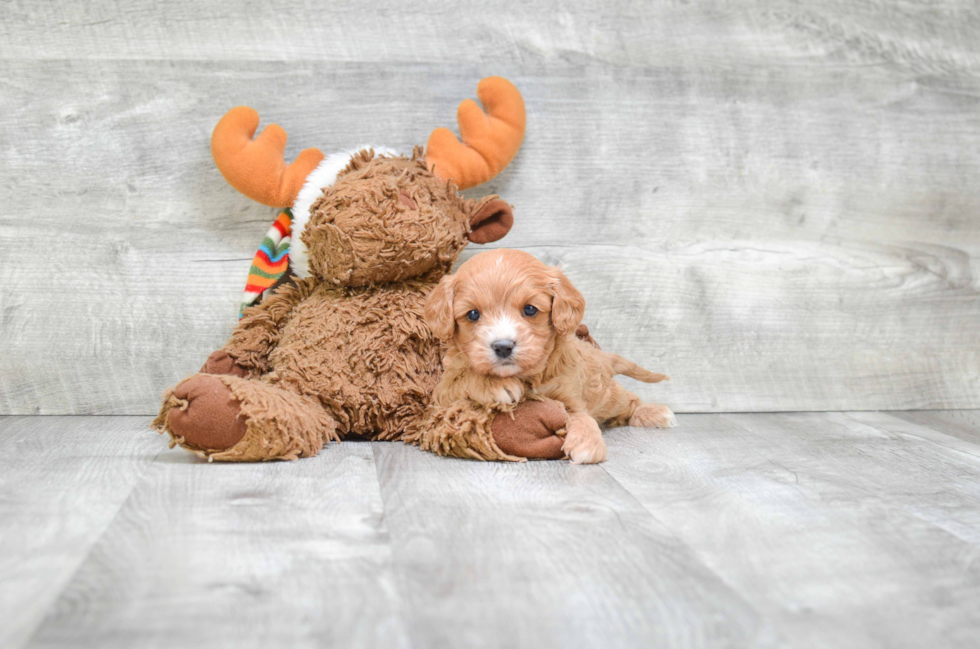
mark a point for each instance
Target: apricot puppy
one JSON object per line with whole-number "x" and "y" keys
{"x": 509, "y": 323}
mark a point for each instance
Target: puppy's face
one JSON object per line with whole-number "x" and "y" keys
{"x": 504, "y": 310}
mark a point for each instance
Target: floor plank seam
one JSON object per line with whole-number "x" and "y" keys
{"x": 877, "y": 497}
{"x": 696, "y": 556}
{"x": 400, "y": 588}
{"x": 83, "y": 559}
{"x": 954, "y": 447}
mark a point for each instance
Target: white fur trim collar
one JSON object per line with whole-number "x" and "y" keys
{"x": 324, "y": 175}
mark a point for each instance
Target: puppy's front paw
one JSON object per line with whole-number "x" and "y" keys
{"x": 509, "y": 392}
{"x": 583, "y": 440}
{"x": 650, "y": 415}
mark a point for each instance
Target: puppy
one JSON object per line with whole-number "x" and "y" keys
{"x": 509, "y": 325}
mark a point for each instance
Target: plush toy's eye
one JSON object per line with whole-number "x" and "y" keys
{"x": 473, "y": 315}
{"x": 530, "y": 310}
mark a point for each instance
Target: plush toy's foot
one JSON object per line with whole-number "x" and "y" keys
{"x": 651, "y": 415}
{"x": 531, "y": 433}
{"x": 220, "y": 362}
{"x": 225, "y": 417}
{"x": 211, "y": 418}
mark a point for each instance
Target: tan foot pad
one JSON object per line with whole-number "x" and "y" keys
{"x": 210, "y": 419}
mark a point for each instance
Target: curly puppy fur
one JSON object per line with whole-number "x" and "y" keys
{"x": 509, "y": 323}
{"x": 346, "y": 351}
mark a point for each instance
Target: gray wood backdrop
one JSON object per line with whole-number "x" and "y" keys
{"x": 774, "y": 202}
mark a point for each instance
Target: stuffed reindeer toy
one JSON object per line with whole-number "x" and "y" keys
{"x": 332, "y": 341}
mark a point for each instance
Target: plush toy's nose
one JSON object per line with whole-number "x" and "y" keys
{"x": 502, "y": 348}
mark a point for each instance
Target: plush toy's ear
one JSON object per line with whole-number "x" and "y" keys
{"x": 491, "y": 219}
{"x": 567, "y": 305}
{"x": 439, "y": 309}
{"x": 256, "y": 167}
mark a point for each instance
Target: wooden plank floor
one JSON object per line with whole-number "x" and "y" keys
{"x": 802, "y": 530}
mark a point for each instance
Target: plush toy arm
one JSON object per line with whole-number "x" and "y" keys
{"x": 258, "y": 331}
{"x": 461, "y": 429}
{"x": 531, "y": 430}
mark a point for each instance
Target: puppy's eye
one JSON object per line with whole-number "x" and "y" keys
{"x": 530, "y": 310}
{"x": 473, "y": 315}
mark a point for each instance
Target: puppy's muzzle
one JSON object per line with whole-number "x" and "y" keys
{"x": 503, "y": 348}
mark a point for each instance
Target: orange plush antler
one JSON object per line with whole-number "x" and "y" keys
{"x": 490, "y": 142}
{"x": 257, "y": 167}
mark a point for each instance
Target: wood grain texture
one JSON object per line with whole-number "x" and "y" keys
{"x": 251, "y": 555}
{"x": 936, "y": 428}
{"x": 788, "y": 530}
{"x": 775, "y": 204}
{"x": 545, "y": 555}
{"x": 961, "y": 424}
{"x": 930, "y": 36}
{"x": 62, "y": 481}
{"x": 843, "y": 530}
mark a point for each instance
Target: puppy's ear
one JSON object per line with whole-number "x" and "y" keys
{"x": 439, "y": 309}
{"x": 567, "y": 304}
{"x": 490, "y": 219}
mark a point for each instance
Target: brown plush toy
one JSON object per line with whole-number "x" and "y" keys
{"x": 339, "y": 345}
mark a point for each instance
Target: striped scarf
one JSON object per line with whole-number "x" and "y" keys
{"x": 270, "y": 266}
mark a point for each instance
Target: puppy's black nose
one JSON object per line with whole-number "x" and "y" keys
{"x": 502, "y": 348}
